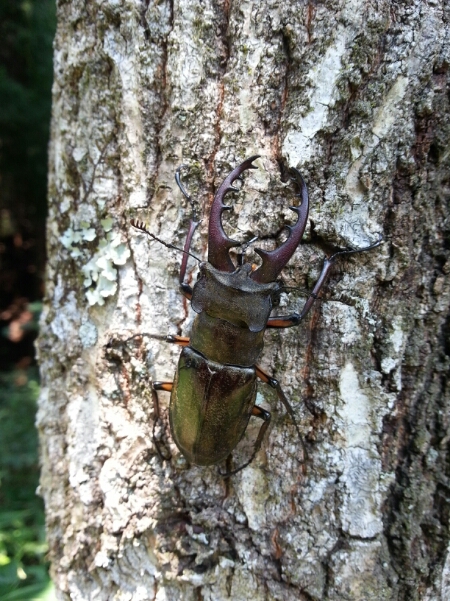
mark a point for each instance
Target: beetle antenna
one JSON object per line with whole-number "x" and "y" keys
{"x": 139, "y": 225}
{"x": 184, "y": 191}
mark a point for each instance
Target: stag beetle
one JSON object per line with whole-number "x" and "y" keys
{"x": 213, "y": 394}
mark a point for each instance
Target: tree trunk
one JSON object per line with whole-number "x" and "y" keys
{"x": 353, "y": 94}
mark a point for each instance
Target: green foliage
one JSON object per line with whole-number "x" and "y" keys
{"x": 23, "y": 570}
{"x": 26, "y": 30}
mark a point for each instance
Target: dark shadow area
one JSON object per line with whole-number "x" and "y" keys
{"x": 26, "y": 31}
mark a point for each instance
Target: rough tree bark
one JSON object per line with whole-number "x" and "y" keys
{"x": 354, "y": 94}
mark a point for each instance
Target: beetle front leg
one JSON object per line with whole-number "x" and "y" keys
{"x": 273, "y": 383}
{"x": 287, "y": 321}
{"x": 266, "y": 416}
{"x": 186, "y": 290}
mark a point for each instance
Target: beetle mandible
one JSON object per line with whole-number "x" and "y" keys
{"x": 213, "y": 394}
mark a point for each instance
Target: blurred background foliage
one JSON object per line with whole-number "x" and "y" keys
{"x": 26, "y": 31}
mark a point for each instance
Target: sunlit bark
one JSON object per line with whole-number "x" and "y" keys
{"x": 355, "y": 95}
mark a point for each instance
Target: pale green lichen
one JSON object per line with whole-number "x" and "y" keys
{"x": 107, "y": 224}
{"x": 70, "y": 237}
{"x": 100, "y": 271}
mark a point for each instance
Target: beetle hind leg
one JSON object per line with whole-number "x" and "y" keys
{"x": 167, "y": 387}
{"x": 264, "y": 415}
{"x": 273, "y": 383}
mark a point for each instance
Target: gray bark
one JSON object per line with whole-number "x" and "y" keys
{"x": 355, "y": 95}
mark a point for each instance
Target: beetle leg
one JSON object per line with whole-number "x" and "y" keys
{"x": 284, "y": 321}
{"x": 181, "y": 340}
{"x": 186, "y": 290}
{"x": 287, "y": 321}
{"x": 273, "y": 383}
{"x": 264, "y": 415}
{"x": 166, "y": 386}
{"x": 140, "y": 225}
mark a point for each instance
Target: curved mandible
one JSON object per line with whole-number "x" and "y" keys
{"x": 273, "y": 261}
{"x": 218, "y": 242}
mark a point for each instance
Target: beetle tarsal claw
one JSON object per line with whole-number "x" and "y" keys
{"x": 351, "y": 251}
